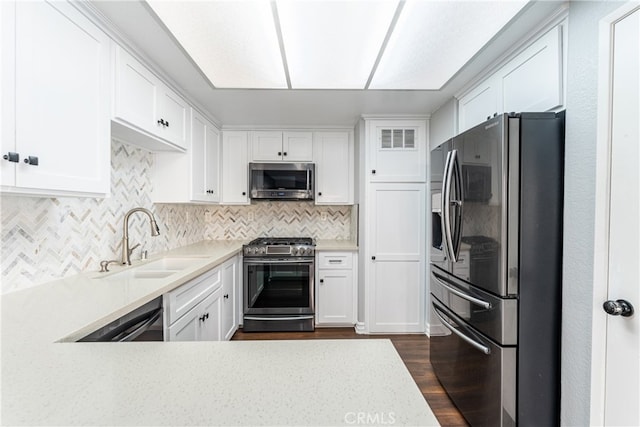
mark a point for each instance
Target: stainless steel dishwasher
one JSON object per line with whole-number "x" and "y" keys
{"x": 142, "y": 324}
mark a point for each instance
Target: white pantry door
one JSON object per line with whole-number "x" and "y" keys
{"x": 620, "y": 387}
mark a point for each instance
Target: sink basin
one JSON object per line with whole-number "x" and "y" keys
{"x": 157, "y": 274}
{"x": 169, "y": 264}
{"x": 158, "y": 269}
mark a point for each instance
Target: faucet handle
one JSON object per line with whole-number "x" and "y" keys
{"x": 132, "y": 248}
{"x": 104, "y": 265}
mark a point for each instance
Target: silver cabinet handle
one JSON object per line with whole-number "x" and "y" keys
{"x": 476, "y": 301}
{"x": 473, "y": 343}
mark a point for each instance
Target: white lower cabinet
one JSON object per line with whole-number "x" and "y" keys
{"x": 230, "y": 270}
{"x": 202, "y": 323}
{"x": 336, "y": 288}
{"x": 203, "y": 309}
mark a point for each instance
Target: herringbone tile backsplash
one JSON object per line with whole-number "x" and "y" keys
{"x": 44, "y": 239}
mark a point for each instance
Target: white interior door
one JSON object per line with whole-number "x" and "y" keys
{"x": 617, "y": 390}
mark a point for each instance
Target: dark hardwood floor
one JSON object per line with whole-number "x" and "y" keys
{"x": 414, "y": 351}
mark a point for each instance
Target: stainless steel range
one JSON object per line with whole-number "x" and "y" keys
{"x": 278, "y": 284}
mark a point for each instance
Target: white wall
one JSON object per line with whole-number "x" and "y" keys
{"x": 579, "y": 207}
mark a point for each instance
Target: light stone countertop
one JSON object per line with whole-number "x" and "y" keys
{"x": 243, "y": 383}
{"x": 336, "y": 245}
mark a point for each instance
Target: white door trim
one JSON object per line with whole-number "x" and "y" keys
{"x": 601, "y": 231}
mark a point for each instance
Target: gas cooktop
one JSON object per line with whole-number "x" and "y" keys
{"x": 280, "y": 246}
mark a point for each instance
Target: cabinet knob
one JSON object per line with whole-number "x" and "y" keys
{"x": 12, "y": 157}
{"x": 166, "y": 123}
{"x": 321, "y": 280}
{"x": 373, "y": 258}
{"x": 319, "y": 193}
{"x": 279, "y": 153}
{"x": 161, "y": 122}
{"x": 201, "y": 318}
{"x": 31, "y": 160}
{"x": 226, "y": 296}
{"x": 284, "y": 154}
{"x": 244, "y": 193}
{"x": 373, "y": 171}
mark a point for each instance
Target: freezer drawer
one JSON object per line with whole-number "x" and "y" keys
{"x": 478, "y": 375}
{"x": 496, "y": 317}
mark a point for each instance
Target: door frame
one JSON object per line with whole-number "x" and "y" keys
{"x": 601, "y": 222}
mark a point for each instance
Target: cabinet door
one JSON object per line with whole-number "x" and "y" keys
{"x": 136, "y": 93}
{"x": 235, "y": 168}
{"x": 174, "y": 111}
{"x": 205, "y": 160}
{"x": 398, "y": 151}
{"x": 478, "y": 105}
{"x": 397, "y": 263}
{"x": 533, "y": 80}
{"x": 62, "y": 99}
{"x": 333, "y": 155}
{"x": 210, "y": 311}
{"x": 335, "y": 303}
{"x": 229, "y": 279}
{"x": 266, "y": 146}
{"x": 297, "y": 146}
{"x": 186, "y": 328}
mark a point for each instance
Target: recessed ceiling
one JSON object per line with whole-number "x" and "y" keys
{"x": 333, "y": 44}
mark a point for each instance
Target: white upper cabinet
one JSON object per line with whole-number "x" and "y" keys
{"x": 235, "y": 168}
{"x": 276, "y": 146}
{"x": 146, "y": 112}
{"x": 333, "y": 155}
{"x": 191, "y": 177}
{"x": 532, "y": 81}
{"x": 480, "y": 104}
{"x": 55, "y": 101}
{"x": 399, "y": 152}
{"x": 205, "y": 159}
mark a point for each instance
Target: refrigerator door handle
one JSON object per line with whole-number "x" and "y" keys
{"x": 473, "y": 300}
{"x": 470, "y": 341}
{"x": 446, "y": 204}
{"x": 457, "y": 235}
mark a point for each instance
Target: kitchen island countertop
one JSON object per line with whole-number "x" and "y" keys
{"x": 47, "y": 380}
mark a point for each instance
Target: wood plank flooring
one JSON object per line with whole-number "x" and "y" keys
{"x": 414, "y": 351}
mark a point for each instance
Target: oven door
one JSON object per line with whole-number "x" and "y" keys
{"x": 278, "y": 286}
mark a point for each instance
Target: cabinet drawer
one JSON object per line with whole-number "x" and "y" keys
{"x": 335, "y": 260}
{"x": 179, "y": 301}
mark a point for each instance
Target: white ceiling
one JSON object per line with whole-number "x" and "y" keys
{"x": 142, "y": 27}
{"x": 333, "y": 44}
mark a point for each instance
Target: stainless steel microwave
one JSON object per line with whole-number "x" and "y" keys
{"x": 281, "y": 181}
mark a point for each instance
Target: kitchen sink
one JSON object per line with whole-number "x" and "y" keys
{"x": 158, "y": 269}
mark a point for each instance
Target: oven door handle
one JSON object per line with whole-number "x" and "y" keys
{"x": 470, "y": 341}
{"x": 476, "y": 301}
{"x": 278, "y": 318}
{"x": 278, "y": 261}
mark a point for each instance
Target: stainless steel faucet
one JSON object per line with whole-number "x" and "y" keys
{"x": 155, "y": 231}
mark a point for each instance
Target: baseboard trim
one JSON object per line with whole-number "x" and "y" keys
{"x": 435, "y": 330}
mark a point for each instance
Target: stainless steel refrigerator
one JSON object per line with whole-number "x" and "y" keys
{"x": 496, "y": 269}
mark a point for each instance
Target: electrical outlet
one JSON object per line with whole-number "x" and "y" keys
{"x": 250, "y": 216}
{"x": 323, "y": 216}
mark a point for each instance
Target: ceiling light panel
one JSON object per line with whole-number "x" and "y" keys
{"x": 432, "y": 40}
{"x": 333, "y": 44}
{"x": 234, "y": 43}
